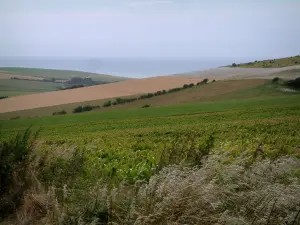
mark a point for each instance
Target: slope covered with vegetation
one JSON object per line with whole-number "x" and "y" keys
{"x": 271, "y": 63}
{"x": 59, "y": 74}
{"x": 122, "y": 166}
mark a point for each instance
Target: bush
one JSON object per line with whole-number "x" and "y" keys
{"x": 87, "y": 108}
{"x": 234, "y": 65}
{"x": 78, "y": 109}
{"x": 205, "y": 81}
{"x": 294, "y": 83}
{"x": 63, "y": 112}
{"x": 3, "y": 97}
{"x": 191, "y": 85}
{"x": 275, "y": 80}
{"x": 13, "y": 162}
{"x": 185, "y": 86}
{"x": 107, "y": 104}
{"x": 146, "y": 106}
{"x": 213, "y": 81}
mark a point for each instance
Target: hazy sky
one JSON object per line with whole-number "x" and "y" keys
{"x": 150, "y": 28}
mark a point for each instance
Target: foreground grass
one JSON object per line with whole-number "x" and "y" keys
{"x": 271, "y": 63}
{"x": 230, "y": 162}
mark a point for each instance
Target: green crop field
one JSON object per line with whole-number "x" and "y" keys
{"x": 271, "y": 63}
{"x": 14, "y": 87}
{"x": 96, "y": 161}
{"x": 59, "y": 74}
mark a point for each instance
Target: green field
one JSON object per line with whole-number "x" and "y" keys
{"x": 218, "y": 91}
{"x": 160, "y": 161}
{"x": 14, "y": 87}
{"x": 59, "y": 74}
{"x": 271, "y": 63}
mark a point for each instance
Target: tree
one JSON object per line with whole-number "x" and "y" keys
{"x": 234, "y": 65}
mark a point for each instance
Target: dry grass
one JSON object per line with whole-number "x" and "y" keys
{"x": 240, "y": 193}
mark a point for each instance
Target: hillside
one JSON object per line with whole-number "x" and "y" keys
{"x": 58, "y": 74}
{"x": 14, "y": 87}
{"x": 220, "y": 90}
{"x": 203, "y": 162}
{"x": 105, "y": 91}
{"x": 271, "y": 63}
{"x": 222, "y": 73}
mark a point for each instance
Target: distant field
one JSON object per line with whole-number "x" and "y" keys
{"x": 220, "y": 90}
{"x": 13, "y": 87}
{"x": 59, "y": 74}
{"x": 271, "y": 63}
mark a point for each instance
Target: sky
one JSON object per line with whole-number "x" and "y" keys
{"x": 149, "y": 28}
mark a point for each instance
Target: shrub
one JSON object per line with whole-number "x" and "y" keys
{"x": 87, "y": 108}
{"x": 275, "y": 80}
{"x": 107, "y": 104}
{"x": 234, "y": 65}
{"x": 13, "y": 162}
{"x": 213, "y": 81}
{"x": 146, "y": 106}
{"x": 78, "y": 109}
{"x": 205, "y": 81}
{"x": 3, "y": 97}
{"x": 191, "y": 85}
{"x": 185, "y": 86}
{"x": 294, "y": 83}
{"x": 63, "y": 112}
{"x": 174, "y": 90}
{"x": 114, "y": 103}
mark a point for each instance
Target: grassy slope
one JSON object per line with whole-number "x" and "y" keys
{"x": 59, "y": 74}
{"x": 87, "y": 153}
{"x": 272, "y": 63}
{"x": 181, "y": 109}
{"x": 22, "y": 87}
{"x": 221, "y": 90}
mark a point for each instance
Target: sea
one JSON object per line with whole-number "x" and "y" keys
{"x": 125, "y": 67}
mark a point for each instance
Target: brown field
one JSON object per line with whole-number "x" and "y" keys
{"x": 209, "y": 92}
{"x": 125, "y": 88}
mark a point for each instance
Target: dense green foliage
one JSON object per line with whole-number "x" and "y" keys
{"x": 13, "y": 161}
{"x": 294, "y": 83}
{"x": 87, "y": 108}
{"x": 81, "y": 154}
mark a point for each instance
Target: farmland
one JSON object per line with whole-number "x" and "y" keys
{"x": 13, "y": 87}
{"x": 57, "y": 74}
{"x": 135, "y": 145}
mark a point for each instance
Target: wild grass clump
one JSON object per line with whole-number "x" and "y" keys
{"x": 14, "y": 161}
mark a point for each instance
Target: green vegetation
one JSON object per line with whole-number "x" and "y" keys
{"x": 13, "y": 87}
{"x": 59, "y": 74}
{"x": 3, "y": 97}
{"x": 294, "y": 83}
{"x": 59, "y": 113}
{"x": 271, "y": 63}
{"x": 146, "y": 106}
{"x": 87, "y": 108}
{"x": 142, "y": 166}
